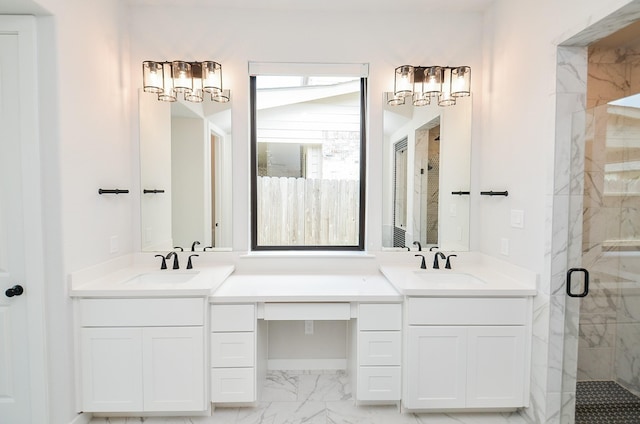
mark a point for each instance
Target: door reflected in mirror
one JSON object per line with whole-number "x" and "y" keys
{"x": 185, "y": 174}
{"x": 427, "y": 164}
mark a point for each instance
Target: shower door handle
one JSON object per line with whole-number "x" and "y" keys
{"x": 585, "y": 291}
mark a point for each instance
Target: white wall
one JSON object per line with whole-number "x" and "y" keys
{"x": 518, "y": 153}
{"x": 91, "y": 143}
{"x": 234, "y": 37}
{"x": 85, "y": 143}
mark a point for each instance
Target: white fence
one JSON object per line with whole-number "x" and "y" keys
{"x": 300, "y": 211}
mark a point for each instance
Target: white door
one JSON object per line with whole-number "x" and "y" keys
{"x": 22, "y": 385}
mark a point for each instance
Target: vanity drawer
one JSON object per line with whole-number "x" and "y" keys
{"x": 467, "y": 311}
{"x": 232, "y": 349}
{"x": 232, "y": 385}
{"x": 321, "y": 311}
{"x": 378, "y": 383}
{"x": 157, "y": 312}
{"x": 380, "y": 317}
{"x": 233, "y": 317}
{"x": 379, "y": 348}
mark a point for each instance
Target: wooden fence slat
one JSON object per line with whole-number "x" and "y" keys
{"x": 300, "y": 211}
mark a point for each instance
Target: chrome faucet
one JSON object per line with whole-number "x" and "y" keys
{"x": 436, "y": 265}
{"x": 176, "y": 265}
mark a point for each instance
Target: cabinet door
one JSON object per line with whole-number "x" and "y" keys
{"x": 111, "y": 367}
{"x": 437, "y": 367}
{"x": 496, "y": 367}
{"x": 173, "y": 369}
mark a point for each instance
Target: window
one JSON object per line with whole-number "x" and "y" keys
{"x": 307, "y": 160}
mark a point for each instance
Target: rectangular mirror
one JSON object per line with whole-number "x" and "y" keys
{"x": 426, "y": 174}
{"x": 185, "y": 174}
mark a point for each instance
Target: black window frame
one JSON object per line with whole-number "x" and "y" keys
{"x": 254, "y": 175}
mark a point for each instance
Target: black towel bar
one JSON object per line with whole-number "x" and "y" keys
{"x": 494, "y": 193}
{"x": 112, "y": 191}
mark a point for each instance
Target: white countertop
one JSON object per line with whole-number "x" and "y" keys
{"x": 155, "y": 283}
{"x": 305, "y": 288}
{"x": 409, "y": 281}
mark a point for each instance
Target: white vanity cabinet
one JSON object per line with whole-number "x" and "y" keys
{"x": 467, "y": 353}
{"x": 379, "y": 348}
{"x": 233, "y": 353}
{"x": 142, "y": 355}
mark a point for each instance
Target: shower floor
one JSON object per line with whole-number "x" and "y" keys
{"x": 605, "y": 402}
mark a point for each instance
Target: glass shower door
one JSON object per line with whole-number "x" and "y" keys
{"x": 602, "y": 328}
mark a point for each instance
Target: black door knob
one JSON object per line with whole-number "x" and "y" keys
{"x": 16, "y": 290}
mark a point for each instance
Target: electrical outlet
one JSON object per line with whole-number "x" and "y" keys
{"x": 308, "y": 327}
{"x": 504, "y": 246}
{"x": 113, "y": 244}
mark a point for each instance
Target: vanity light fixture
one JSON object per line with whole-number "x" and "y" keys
{"x": 192, "y": 79}
{"x": 441, "y": 84}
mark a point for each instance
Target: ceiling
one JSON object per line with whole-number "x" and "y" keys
{"x": 410, "y": 6}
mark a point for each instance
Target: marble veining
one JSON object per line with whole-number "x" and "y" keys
{"x": 310, "y": 397}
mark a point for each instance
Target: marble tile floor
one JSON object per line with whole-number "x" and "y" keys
{"x": 308, "y": 397}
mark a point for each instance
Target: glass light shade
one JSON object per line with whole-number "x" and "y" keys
{"x": 182, "y": 79}
{"x": 403, "y": 81}
{"x": 211, "y": 77}
{"x": 168, "y": 93}
{"x": 394, "y": 100}
{"x": 461, "y": 81}
{"x": 152, "y": 76}
{"x": 433, "y": 80}
{"x": 221, "y": 96}
{"x": 421, "y": 99}
{"x": 196, "y": 94}
{"x": 446, "y": 99}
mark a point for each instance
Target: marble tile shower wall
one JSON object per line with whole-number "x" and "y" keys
{"x": 611, "y": 213}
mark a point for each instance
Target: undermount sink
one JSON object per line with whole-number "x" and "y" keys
{"x": 452, "y": 278}
{"x": 163, "y": 277}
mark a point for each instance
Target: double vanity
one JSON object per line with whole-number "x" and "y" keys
{"x": 177, "y": 341}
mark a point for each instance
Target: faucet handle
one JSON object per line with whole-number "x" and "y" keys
{"x": 423, "y": 264}
{"x": 189, "y": 264}
{"x": 164, "y": 262}
{"x": 432, "y": 247}
{"x": 179, "y": 247}
{"x": 447, "y": 265}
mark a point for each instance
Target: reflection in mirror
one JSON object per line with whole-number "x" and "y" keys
{"x": 185, "y": 174}
{"x": 400, "y": 192}
{"x": 435, "y": 164}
